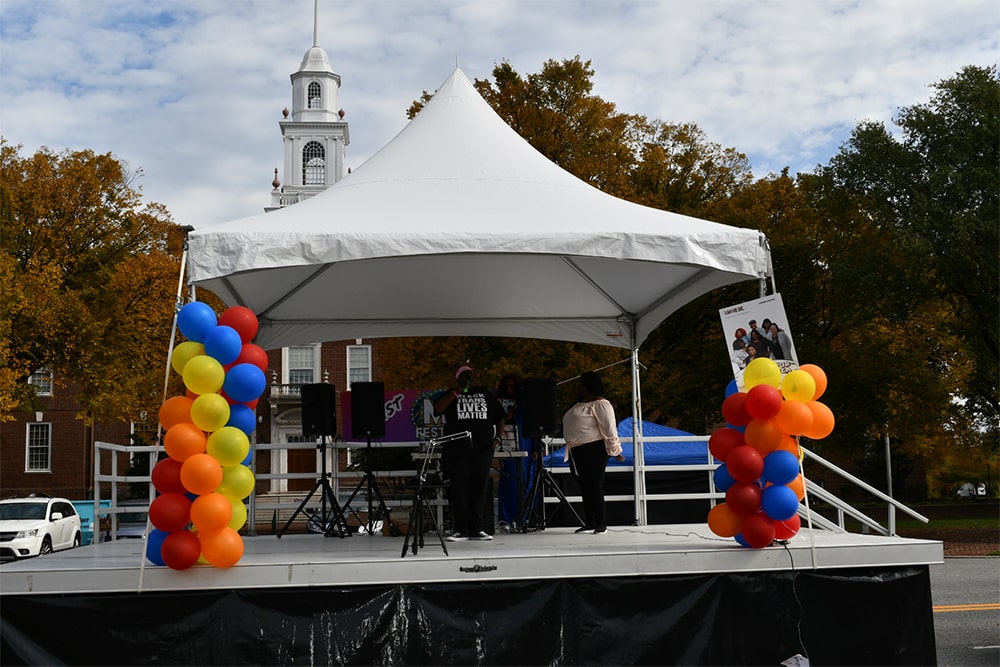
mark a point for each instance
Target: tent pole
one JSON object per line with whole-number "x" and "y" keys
{"x": 638, "y": 459}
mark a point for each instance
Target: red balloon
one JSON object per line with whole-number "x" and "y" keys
{"x": 251, "y": 354}
{"x": 243, "y": 320}
{"x": 724, "y": 441}
{"x": 745, "y": 464}
{"x": 170, "y": 512}
{"x": 166, "y": 476}
{"x": 734, "y": 409}
{"x": 180, "y": 550}
{"x": 743, "y": 498}
{"x": 763, "y": 401}
{"x": 787, "y": 529}
{"x": 758, "y": 530}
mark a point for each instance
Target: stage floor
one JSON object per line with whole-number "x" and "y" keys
{"x": 304, "y": 560}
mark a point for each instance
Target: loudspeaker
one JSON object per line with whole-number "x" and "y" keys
{"x": 367, "y": 410}
{"x": 539, "y": 407}
{"x": 319, "y": 409}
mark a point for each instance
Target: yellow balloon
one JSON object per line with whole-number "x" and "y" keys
{"x": 237, "y": 482}
{"x": 184, "y": 353}
{"x": 203, "y": 375}
{"x": 210, "y": 412}
{"x": 762, "y": 371}
{"x": 229, "y": 445}
{"x": 798, "y": 386}
{"x": 239, "y": 514}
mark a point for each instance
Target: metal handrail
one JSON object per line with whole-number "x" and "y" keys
{"x": 639, "y": 471}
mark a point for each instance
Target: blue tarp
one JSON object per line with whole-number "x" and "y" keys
{"x": 656, "y": 453}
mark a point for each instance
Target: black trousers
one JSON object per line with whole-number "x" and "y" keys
{"x": 588, "y": 462}
{"x": 468, "y": 469}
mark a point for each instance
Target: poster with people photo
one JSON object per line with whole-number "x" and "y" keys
{"x": 758, "y": 329}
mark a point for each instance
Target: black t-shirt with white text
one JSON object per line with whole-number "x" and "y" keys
{"x": 477, "y": 411}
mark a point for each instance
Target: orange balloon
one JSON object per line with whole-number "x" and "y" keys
{"x": 222, "y": 549}
{"x": 794, "y": 418}
{"x": 201, "y": 474}
{"x": 823, "y": 421}
{"x": 175, "y": 410}
{"x": 182, "y": 441}
{"x": 211, "y": 513}
{"x": 763, "y": 435}
{"x": 724, "y": 522}
{"x": 789, "y": 444}
{"x": 798, "y": 485}
{"x": 818, "y": 375}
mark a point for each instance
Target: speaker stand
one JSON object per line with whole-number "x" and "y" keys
{"x": 330, "y": 522}
{"x": 415, "y": 530}
{"x": 374, "y": 496}
{"x": 535, "y": 516}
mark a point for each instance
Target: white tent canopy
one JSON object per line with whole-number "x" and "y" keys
{"x": 458, "y": 227}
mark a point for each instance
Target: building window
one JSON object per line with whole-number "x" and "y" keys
{"x": 38, "y": 456}
{"x": 302, "y": 364}
{"x": 315, "y": 96}
{"x": 41, "y": 380}
{"x": 313, "y": 164}
{"x": 359, "y": 364}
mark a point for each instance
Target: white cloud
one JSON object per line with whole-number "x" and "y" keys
{"x": 192, "y": 91}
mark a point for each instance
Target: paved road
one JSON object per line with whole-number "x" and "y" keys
{"x": 965, "y": 593}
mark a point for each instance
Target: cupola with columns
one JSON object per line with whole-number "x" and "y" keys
{"x": 314, "y": 131}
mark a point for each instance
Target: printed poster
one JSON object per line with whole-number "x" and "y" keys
{"x": 758, "y": 329}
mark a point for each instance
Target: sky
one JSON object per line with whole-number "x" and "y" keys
{"x": 191, "y": 91}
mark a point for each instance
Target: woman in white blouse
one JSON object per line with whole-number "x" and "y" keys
{"x": 591, "y": 434}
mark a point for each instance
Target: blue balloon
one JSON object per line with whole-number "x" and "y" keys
{"x": 248, "y": 461}
{"x": 154, "y": 544}
{"x": 242, "y": 417}
{"x": 779, "y": 502}
{"x": 731, "y": 388}
{"x": 780, "y": 467}
{"x": 223, "y": 344}
{"x": 742, "y": 541}
{"x": 244, "y": 383}
{"x": 723, "y": 480}
{"x": 195, "y": 320}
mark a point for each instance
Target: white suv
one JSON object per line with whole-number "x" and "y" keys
{"x": 35, "y": 526}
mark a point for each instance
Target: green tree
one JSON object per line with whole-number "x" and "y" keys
{"x": 89, "y": 273}
{"x": 921, "y": 210}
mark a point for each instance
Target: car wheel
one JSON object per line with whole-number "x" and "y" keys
{"x": 46, "y": 546}
{"x": 77, "y": 541}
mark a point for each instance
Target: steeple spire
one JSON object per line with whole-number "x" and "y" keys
{"x": 315, "y": 22}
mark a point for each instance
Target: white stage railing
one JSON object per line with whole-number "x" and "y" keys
{"x": 262, "y": 504}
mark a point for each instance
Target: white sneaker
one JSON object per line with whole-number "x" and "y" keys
{"x": 457, "y": 537}
{"x": 482, "y": 535}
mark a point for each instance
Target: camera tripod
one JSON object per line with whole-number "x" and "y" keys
{"x": 534, "y": 513}
{"x": 332, "y": 521}
{"x": 374, "y": 496}
{"x": 415, "y": 530}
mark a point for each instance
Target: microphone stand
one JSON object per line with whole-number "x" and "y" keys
{"x": 415, "y": 529}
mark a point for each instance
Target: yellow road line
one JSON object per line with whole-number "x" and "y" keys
{"x": 975, "y": 606}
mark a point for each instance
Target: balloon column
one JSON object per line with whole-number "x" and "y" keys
{"x": 759, "y": 450}
{"x": 205, "y": 477}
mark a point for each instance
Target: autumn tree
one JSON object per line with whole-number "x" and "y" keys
{"x": 89, "y": 279}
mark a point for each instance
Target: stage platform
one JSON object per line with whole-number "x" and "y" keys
{"x": 297, "y": 560}
{"x": 664, "y": 594}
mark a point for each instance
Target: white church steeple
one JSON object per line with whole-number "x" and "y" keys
{"x": 314, "y": 132}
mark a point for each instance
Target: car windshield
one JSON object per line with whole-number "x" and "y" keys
{"x": 22, "y": 511}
